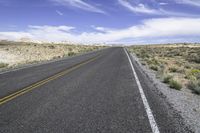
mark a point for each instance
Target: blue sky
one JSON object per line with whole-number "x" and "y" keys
{"x": 101, "y": 21}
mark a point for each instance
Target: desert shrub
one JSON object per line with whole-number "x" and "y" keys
{"x": 171, "y": 52}
{"x": 194, "y": 58}
{"x": 56, "y": 57}
{"x": 70, "y": 49}
{"x": 193, "y": 74}
{"x": 161, "y": 71}
{"x": 191, "y": 85}
{"x": 33, "y": 61}
{"x": 173, "y": 69}
{"x": 175, "y": 84}
{"x": 51, "y": 47}
{"x": 187, "y": 66}
{"x": 153, "y": 67}
{"x": 175, "y": 52}
{"x": 2, "y": 65}
{"x": 194, "y": 86}
{"x": 153, "y": 61}
{"x": 71, "y": 54}
{"x": 167, "y": 78}
{"x": 197, "y": 66}
{"x": 195, "y": 71}
{"x": 143, "y": 63}
{"x": 138, "y": 54}
{"x": 142, "y": 53}
{"x": 179, "y": 63}
{"x": 197, "y": 76}
{"x": 181, "y": 70}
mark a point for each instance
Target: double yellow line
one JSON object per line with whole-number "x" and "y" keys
{"x": 44, "y": 81}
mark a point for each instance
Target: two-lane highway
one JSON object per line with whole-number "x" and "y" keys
{"x": 95, "y": 92}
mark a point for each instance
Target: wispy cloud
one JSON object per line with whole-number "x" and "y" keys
{"x": 59, "y": 13}
{"x": 163, "y": 3}
{"x": 48, "y": 28}
{"x": 149, "y": 30}
{"x": 140, "y": 8}
{"x": 101, "y": 29}
{"x": 143, "y": 8}
{"x": 79, "y": 4}
{"x": 190, "y": 2}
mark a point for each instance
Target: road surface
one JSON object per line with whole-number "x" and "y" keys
{"x": 96, "y": 92}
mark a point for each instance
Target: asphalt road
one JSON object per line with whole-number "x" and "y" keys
{"x": 92, "y": 93}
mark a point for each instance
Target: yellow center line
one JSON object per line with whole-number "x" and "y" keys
{"x": 44, "y": 81}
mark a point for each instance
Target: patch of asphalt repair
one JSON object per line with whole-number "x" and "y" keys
{"x": 184, "y": 104}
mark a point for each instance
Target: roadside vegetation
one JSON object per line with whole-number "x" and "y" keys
{"x": 13, "y": 54}
{"x": 177, "y": 65}
{"x": 3, "y": 65}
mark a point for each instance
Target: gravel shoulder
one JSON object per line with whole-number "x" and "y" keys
{"x": 186, "y": 103}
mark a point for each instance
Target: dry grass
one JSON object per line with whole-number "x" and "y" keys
{"x": 179, "y": 63}
{"x": 18, "y": 53}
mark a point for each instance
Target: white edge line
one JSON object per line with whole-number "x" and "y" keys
{"x": 151, "y": 118}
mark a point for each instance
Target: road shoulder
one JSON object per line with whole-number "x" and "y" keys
{"x": 185, "y": 104}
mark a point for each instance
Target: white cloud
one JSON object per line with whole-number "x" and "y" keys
{"x": 79, "y": 4}
{"x": 163, "y": 3}
{"x": 140, "y": 8}
{"x": 148, "y": 30}
{"x": 101, "y": 29}
{"x": 52, "y": 28}
{"x": 14, "y": 35}
{"x": 59, "y": 13}
{"x": 190, "y": 2}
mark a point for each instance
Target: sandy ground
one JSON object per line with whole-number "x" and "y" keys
{"x": 19, "y": 54}
{"x": 8, "y": 58}
{"x": 184, "y": 102}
